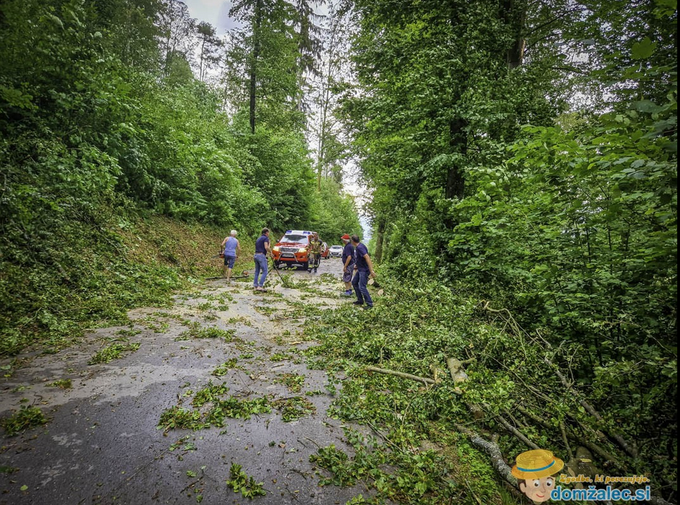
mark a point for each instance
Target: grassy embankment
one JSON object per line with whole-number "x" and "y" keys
{"x": 93, "y": 277}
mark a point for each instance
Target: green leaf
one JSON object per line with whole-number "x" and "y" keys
{"x": 643, "y": 49}
{"x": 55, "y": 20}
{"x": 647, "y": 106}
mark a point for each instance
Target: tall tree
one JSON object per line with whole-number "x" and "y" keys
{"x": 438, "y": 96}
{"x": 269, "y": 46}
{"x": 326, "y": 130}
{"x": 308, "y": 33}
{"x": 209, "y": 48}
{"x": 178, "y": 29}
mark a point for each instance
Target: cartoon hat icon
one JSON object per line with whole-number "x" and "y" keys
{"x": 536, "y": 464}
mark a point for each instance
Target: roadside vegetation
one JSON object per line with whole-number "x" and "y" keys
{"x": 477, "y": 379}
{"x": 520, "y": 166}
{"x": 523, "y": 161}
{"x": 121, "y": 172}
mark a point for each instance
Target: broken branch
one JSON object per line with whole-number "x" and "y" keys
{"x": 518, "y": 434}
{"x": 493, "y": 451}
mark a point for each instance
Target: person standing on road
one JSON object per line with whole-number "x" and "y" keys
{"x": 261, "y": 251}
{"x": 363, "y": 270}
{"x": 231, "y": 249}
{"x": 347, "y": 264}
{"x": 314, "y": 252}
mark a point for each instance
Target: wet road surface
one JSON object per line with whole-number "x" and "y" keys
{"x": 102, "y": 444}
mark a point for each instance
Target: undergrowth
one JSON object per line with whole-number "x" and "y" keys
{"x": 419, "y": 426}
{"x": 91, "y": 273}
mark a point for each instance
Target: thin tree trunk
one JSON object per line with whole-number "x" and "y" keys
{"x": 379, "y": 238}
{"x": 200, "y": 68}
{"x": 253, "y": 65}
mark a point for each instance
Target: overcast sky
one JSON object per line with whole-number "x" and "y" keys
{"x": 215, "y": 12}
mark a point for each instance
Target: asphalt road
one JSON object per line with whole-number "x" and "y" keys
{"x": 102, "y": 444}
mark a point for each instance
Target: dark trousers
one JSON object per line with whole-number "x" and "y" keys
{"x": 360, "y": 283}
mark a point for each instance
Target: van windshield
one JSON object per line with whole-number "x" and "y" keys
{"x": 297, "y": 239}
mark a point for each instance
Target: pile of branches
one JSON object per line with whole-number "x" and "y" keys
{"x": 557, "y": 408}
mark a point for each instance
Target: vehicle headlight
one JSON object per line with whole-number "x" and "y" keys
{"x": 276, "y": 248}
{"x": 302, "y": 250}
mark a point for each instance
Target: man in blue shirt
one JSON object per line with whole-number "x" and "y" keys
{"x": 231, "y": 249}
{"x": 261, "y": 251}
{"x": 347, "y": 264}
{"x": 364, "y": 269}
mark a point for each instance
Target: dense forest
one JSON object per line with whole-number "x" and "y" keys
{"x": 106, "y": 116}
{"x": 521, "y": 162}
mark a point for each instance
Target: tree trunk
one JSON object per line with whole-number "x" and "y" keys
{"x": 200, "y": 67}
{"x": 379, "y": 238}
{"x": 514, "y": 13}
{"x": 257, "y": 22}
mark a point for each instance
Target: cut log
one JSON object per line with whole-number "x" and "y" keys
{"x": 458, "y": 376}
{"x": 456, "y": 368}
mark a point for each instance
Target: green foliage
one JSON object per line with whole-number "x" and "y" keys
{"x": 415, "y": 329}
{"x": 209, "y": 394}
{"x": 240, "y": 482}
{"x": 178, "y": 417}
{"x": 565, "y": 219}
{"x": 278, "y": 166}
{"x": 224, "y": 368}
{"x": 94, "y": 135}
{"x": 281, "y": 356}
{"x": 25, "y": 418}
{"x": 420, "y": 478}
{"x": 333, "y": 214}
{"x": 292, "y": 381}
{"x": 294, "y": 408}
{"x": 62, "y": 384}
{"x": 113, "y": 351}
{"x": 210, "y": 408}
{"x": 196, "y": 331}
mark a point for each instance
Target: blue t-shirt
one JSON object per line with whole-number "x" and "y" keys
{"x": 230, "y": 247}
{"x": 348, "y": 251}
{"x": 359, "y": 254}
{"x": 259, "y": 244}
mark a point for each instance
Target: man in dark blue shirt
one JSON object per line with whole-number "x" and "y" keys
{"x": 261, "y": 251}
{"x": 364, "y": 270}
{"x": 347, "y": 264}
